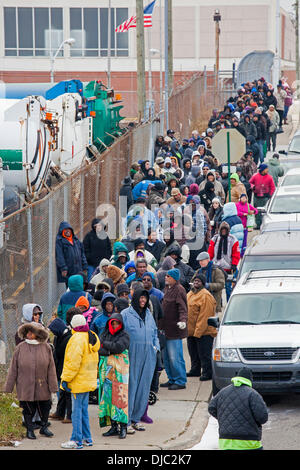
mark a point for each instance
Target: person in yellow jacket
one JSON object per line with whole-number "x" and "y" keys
{"x": 201, "y": 306}
{"x": 79, "y": 376}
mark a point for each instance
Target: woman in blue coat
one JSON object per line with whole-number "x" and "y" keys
{"x": 235, "y": 223}
{"x": 144, "y": 345}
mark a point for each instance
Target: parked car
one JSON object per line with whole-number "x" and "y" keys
{"x": 291, "y": 157}
{"x": 284, "y": 205}
{"x": 272, "y": 250}
{"x": 291, "y": 178}
{"x": 260, "y": 329}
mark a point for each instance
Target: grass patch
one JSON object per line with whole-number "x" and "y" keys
{"x": 11, "y": 428}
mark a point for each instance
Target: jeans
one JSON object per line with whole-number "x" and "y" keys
{"x": 174, "y": 362}
{"x": 261, "y": 150}
{"x": 80, "y": 418}
{"x": 228, "y": 285}
{"x": 271, "y": 138}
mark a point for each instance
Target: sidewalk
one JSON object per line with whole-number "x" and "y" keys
{"x": 179, "y": 420}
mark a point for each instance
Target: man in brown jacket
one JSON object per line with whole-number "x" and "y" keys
{"x": 32, "y": 369}
{"x": 201, "y": 306}
{"x": 174, "y": 324}
{"x": 215, "y": 277}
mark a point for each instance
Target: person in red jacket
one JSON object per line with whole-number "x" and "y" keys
{"x": 224, "y": 252}
{"x": 263, "y": 187}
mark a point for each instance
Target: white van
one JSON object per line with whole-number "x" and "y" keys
{"x": 260, "y": 329}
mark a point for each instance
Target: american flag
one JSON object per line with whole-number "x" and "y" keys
{"x": 131, "y": 22}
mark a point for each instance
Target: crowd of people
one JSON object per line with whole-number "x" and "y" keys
{"x": 130, "y": 303}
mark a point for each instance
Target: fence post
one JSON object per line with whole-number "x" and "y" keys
{"x": 3, "y": 326}
{"x": 81, "y": 204}
{"x": 50, "y": 255}
{"x": 30, "y": 251}
{"x": 66, "y": 201}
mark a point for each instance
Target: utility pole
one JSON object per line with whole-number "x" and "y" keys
{"x": 109, "y": 47}
{"x": 277, "y": 58}
{"x": 217, "y": 19}
{"x": 140, "y": 54}
{"x": 170, "y": 45}
{"x": 297, "y": 48}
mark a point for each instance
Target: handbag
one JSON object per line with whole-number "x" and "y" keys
{"x": 250, "y": 221}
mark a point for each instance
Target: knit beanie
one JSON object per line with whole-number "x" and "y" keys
{"x": 202, "y": 278}
{"x": 122, "y": 288}
{"x": 57, "y": 326}
{"x": 263, "y": 167}
{"x": 78, "y": 320}
{"x": 174, "y": 273}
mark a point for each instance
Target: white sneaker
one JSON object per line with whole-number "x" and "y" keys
{"x": 71, "y": 445}
{"x": 130, "y": 430}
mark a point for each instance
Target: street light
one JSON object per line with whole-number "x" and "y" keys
{"x": 70, "y": 42}
{"x": 217, "y": 19}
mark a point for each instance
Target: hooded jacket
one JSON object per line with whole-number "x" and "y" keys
{"x": 96, "y": 248}
{"x": 62, "y": 334}
{"x": 231, "y": 257}
{"x": 69, "y": 298}
{"x": 175, "y": 309}
{"x": 236, "y": 226}
{"x": 236, "y": 189}
{"x": 275, "y": 170}
{"x": 119, "y": 247}
{"x": 101, "y": 274}
{"x": 253, "y": 147}
{"x": 32, "y": 367}
{"x": 100, "y": 320}
{"x": 69, "y": 257}
{"x": 126, "y": 191}
{"x": 116, "y": 343}
{"x": 81, "y": 363}
{"x": 240, "y": 411}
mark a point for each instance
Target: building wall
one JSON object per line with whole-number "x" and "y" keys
{"x": 245, "y": 26}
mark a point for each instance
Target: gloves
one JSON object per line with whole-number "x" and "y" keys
{"x": 181, "y": 325}
{"x": 64, "y": 385}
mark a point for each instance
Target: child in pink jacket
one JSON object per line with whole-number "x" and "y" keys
{"x": 243, "y": 210}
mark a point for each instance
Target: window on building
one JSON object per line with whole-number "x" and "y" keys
{"x": 32, "y": 31}
{"x": 89, "y": 27}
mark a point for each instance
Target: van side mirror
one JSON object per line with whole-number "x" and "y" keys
{"x": 262, "y": 210}
{"x": 214, "y": 322}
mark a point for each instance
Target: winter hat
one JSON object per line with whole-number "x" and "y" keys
{"x": 159, "y": 160}
{"x": 246, "y": 373}
{"x": 174, "y": 273}
{"x": 129, "y": 264}
{"x": 149, "y": 275}
{"x": 78, "y": 320}
{"x": 83, "y": 302}
{"x": 263, "y": 167}
{"x": 121, "y": 304}
{"x": 127, "y": 180}
{"x": 243, "y": 194}
{"x": 122, "y": 288}
{"x": 216, "y": 199}
{"x": 57, "y": 327}
{"x": 115, "y": 273}
{"x": 202, "y": 256}
{"x": 202, "y": 278}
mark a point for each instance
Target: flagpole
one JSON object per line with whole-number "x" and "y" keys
{"x": 140, "y": 48}
{"x": 150, "y": 73}
{"x": 109, "y": 47}
{"x": 167, "y": 64}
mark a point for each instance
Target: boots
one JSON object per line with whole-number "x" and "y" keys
{"x": 45, "y": 431}
{"x": 123, "y": 431}
{"x": 145, "y": 418}
{"x": 29, "y": 426}
{"x": 113, "y": 431}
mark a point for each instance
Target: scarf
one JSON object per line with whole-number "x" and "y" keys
{"x": 112, "y": 330}
{"x": 31, "y": 341}
{"x": 223, "y": 245}
{"x": 207, "y": 271}
{"x": 70, "y": 238}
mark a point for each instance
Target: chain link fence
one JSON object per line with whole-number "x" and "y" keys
{"x": 27, "y": 253}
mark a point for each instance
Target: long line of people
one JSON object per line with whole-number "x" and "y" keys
{"x": 129, "y": 304}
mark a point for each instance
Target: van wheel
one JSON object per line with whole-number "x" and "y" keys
{"x": 215, "y": 389}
